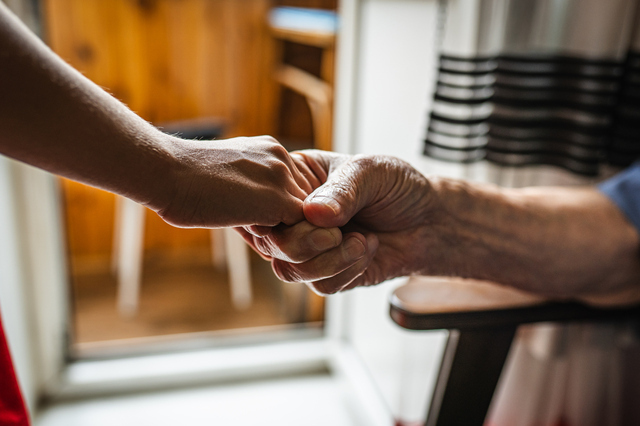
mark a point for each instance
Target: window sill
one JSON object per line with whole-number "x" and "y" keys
{"x": 151, "y": 372}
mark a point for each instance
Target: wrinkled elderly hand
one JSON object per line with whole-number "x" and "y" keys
{"x": 376, "y": 218}
{"x": 367, "y": 223}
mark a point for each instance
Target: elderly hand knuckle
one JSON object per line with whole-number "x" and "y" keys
{"x": 276, "y": 149}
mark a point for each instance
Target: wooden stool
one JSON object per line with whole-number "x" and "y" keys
{"x": 228, "y": 248}
{"x": 482, "y": 320}
{"x": 312, "y": 27}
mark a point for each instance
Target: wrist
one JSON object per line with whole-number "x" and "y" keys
{"x": 165, "y": 168}
{"x": 442, "y": 229}
{"x": 466, "y": 224}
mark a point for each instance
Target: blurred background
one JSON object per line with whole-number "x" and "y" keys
{"x": 202, "y": 69}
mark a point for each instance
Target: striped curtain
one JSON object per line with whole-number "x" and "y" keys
{"x": 529, "y": 82}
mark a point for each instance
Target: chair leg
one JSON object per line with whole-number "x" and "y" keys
{"x": 239, "y": 269}
{"x": 321, "y": 121}
{"x": 129, "y": 252}
{"x": 471, "y": 366}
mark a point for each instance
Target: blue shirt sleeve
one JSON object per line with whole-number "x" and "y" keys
{"x": 624, "y": 190}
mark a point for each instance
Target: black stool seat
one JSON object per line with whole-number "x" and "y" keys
{"x": 204, "y": 128}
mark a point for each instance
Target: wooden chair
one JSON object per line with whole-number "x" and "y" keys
{"x": 312, "y": 27}
{"x": 482, "y": 320}
{"x": 228, "y": 248}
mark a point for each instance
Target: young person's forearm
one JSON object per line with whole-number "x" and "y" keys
{"x": 56, "y": 119}
{"x": 566, "y": 242}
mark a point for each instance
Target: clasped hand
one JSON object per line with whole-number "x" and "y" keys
{"x": 364, "y": 223}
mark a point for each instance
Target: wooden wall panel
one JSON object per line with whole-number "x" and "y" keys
{"x": 320, "y": 4}
{"x": 167, "y": 60}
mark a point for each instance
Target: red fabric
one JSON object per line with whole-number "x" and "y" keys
{"x": 12, "y": 409}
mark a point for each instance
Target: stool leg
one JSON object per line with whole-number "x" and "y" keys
{"x": 239, "y": 269}
{"x": 471, "y": 366}
{"x": 218, "y": 253}
{"x": 129, "y": 252}
{"x": 321, "y": 121}
{"x": 294, "y": 301}
{"x": 115, "y": 255}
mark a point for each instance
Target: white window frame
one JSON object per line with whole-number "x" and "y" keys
{"x": 45, "y": 260}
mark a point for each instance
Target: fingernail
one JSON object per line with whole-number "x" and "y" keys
{"x": 354, "y": 248}
{"x": 324, "y": 239}
{"x": 327, "y": 201}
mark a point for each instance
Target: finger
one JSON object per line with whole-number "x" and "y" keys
{"x": 359, "y": 281}
{"x": 279, "y": 162}
{"x": 303, "y": 176}
{"x": 341, "y": 281}
{"x": 321, "y": 162}
{"x": 302, "y": 187}
{"x": 351, "y": 186}
{"x": 258, "y": 230}
{"x": 350, "y": 277}
{"x": 250, "y": 240}
{"x": 329, "y": 264}
{"x": 300, "y": 242}
{"x": 246, "y": 236}
{"x": 291, "y": 212}
{"x": 312, "y": 178}
{"x": 296, "y": 184}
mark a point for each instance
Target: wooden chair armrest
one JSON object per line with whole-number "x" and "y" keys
{"x": 310, "y": 38}
{"x": 442, "y": 303}
{"x": 304, "y": 83}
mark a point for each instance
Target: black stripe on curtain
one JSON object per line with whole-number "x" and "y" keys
{"x": 564, "y": 111}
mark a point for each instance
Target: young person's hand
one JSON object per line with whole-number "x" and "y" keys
{"x": 234, "y": 182}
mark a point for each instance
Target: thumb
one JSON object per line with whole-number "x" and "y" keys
{"x": 342, "y": 196}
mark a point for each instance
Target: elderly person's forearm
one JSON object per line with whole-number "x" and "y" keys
{"x": 560, "y": 242}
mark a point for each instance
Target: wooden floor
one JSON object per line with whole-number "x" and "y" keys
{"x": 183, "y": 297}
